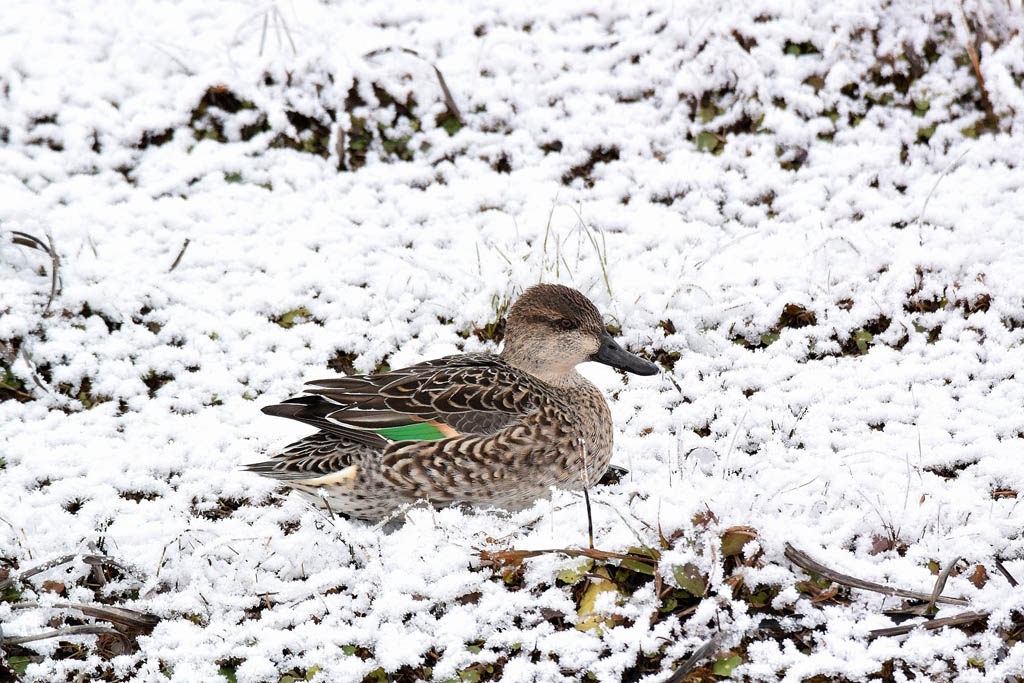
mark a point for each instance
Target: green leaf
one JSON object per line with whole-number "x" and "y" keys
{"x": 861, "y": 338}
{"x": 759, "y": 599}
{"x": 573, "y": 574}
{"x": 451, "y": 125}
{"x": 708, "y": 113}
{"x": 469, "y": 675}
{"x": 638, "y": 566}
{"x": 733, "y": 541}
{"x": 725, "y": 667}
{"x": 646, "y": 551}
{"x": 18, "y": 664}
{"x": 311, "y": 672}
{"x": 690, "y": 579}
{"x": 707, "y": 142}
{"x": 588, "y": 616}
{"x": 292, "y": 318}
{"x": 769, "y": 338}
{"x": 348, "y": 649}
{"x": 228, "y": 672}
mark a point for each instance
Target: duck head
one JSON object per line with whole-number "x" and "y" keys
{"x": 551, "y": 329}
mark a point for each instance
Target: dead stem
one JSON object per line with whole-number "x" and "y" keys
{"x": 87, "y": 630}
{"x": 804, "y": 561}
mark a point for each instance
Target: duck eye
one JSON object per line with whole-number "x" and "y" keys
{"x": 567, "y": 324}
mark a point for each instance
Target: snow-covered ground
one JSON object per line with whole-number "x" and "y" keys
{"x": 810, "y": 212}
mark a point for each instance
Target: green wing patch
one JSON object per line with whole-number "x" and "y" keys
{"x": 420, "y": 431}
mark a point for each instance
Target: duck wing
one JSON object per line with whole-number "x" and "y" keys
{"x": 476, "y": 394}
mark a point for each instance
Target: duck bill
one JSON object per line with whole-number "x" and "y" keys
{"x": 614, "y": 355}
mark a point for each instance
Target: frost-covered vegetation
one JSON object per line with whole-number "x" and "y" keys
{"x": 808, "y": 213}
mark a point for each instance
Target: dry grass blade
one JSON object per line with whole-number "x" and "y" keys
{"x": 924, "y": 207}
{"x": 274, "y": 14}
{"x": 700, "y": 654}
{"x": 973, "y": 48}
{"x": 8, "y": 354}
{"x": 91, "y": 560}
{"x": 931, "y": 624}
{"x": 449, "y": 101}
{"x": 804, "y": 561}
{"x": 1006, "y": 574}
{"x": 32, "y": 373}
{"x": 507, "y": 557}
{"x": 284, "y": 26}
{"x": 180, "y": 254}
{"x": 940, "y": 583}
{"x": 26, "y": 240}
{"x": 86, "y": 630}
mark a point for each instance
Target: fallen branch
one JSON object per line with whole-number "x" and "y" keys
{"x": 804, "y": 561}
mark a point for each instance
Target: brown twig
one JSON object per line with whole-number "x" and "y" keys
{"x": 117, "y": 615}
{"x": 449, "y": 101}
{"x": 31, "y": 371}
{"x": 940, "y": 583}
{"x": 972, "y": 52}
{"x": 956, "y": 620}
{"x": 1006, "y": 574}
{"x": 180, "y": 254}
{"x": 804, "y": 561}
{"x": 86, "y": 630}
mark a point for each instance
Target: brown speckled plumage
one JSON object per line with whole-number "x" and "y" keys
{"x": 500, "y": 430}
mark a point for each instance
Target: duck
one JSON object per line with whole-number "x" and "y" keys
{"x": 487, "y": 430}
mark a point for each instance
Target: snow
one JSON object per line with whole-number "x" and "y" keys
{"x": 805, "y": 440}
